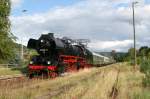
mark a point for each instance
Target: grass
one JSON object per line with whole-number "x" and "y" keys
{"x": 142, "y": 94}
{"x": 94, "y": 83}
{"x": 8, "y": 71}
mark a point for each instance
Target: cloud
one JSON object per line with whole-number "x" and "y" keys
{"x": 16, "y": 3}
{"x": 106, "y": 24}
{"x": 111, "y": 45}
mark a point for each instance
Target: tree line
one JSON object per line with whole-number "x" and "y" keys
{"x": 7, "y": 45}
{"x": 142, "y": 53}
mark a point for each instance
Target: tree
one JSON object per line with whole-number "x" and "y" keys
{"x": 131, "y": 55}
{"x": 144, "y": 54}
{"x": 6, "y": 41}
{"x": 143, "y": 51}
{"x": 119, "y": 56}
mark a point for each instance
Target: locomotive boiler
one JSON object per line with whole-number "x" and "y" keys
{"x": 56, "y": 56}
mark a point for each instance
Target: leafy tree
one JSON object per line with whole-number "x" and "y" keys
{"x": 143, "y": 51}
{"x": 131, "y": 52}
{"x": 131, "y": 55}
{"x": 6, "y": 41}
{"x": 119, "y": 56}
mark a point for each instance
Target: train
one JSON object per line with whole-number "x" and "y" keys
{"x": 59, "y": 55}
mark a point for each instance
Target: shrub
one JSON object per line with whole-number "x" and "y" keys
{"x": 145, "y": 68}
{"x": 146, "y": 80}
{"x": 145, "y": 65}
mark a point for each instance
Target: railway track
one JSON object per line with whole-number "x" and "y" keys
{"x": 64, "y": 88}
{"x": 12, "y": 81}
{"x": 114, "y": 92}
{"x": 55, "y": 92}
{"x": 10, "y": 77}
{"x": 18, "y": 81}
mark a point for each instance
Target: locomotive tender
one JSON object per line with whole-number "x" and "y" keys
{"x": 57, "y": 56}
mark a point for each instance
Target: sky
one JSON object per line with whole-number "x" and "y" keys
{"x": 107, "y": 23}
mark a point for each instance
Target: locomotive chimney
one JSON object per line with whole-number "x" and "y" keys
{"x": 51, "y": 34}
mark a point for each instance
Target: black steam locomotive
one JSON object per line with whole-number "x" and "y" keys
{"x": 57, "y": 56}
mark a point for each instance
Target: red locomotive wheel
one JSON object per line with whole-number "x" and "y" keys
{"x": 53, "y": 74}
{"x": 74, "y": 68}
{"x": 71, "y": 68}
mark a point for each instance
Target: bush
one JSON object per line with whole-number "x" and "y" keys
{"x": 146, "y": 80}
{"x": 139, "y": 60}
{"x": 145, "y": 68}
{"x": 145, "y": 65}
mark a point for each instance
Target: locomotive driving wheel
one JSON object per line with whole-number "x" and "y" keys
{"x": 71, "y": 67}
{"x": 52, "y": 74}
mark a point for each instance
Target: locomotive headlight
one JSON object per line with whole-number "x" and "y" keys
{"x": 31, "y": 62}
{"x": 42, "y": 41}
{"x": 48, "y": 62}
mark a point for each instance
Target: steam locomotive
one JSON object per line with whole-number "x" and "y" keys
{"x": 57, "y": 56}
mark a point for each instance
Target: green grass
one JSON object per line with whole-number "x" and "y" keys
{"x": 143, "y": 94}
{"x": 9, "y": 71}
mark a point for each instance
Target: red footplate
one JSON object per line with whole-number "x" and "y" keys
{"x": 39, "y": 67}
{"x": 36, "y": 67}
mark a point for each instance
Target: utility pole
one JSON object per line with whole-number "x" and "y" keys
{"x": 133, "y": 5}
{"x": 22, "y": 51}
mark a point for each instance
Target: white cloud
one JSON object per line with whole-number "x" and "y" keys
{"x": 111, "y": 45}
{"x": 16, "y": 3}
{"x": 102, "y": 21}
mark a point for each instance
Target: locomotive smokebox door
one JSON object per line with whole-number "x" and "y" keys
{"x": 32, "y": 44}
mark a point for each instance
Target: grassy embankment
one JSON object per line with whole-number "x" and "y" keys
{"x": 94, "y": 83}
{"x": 8, "y": 71}
{"x": 4, "y": 71}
